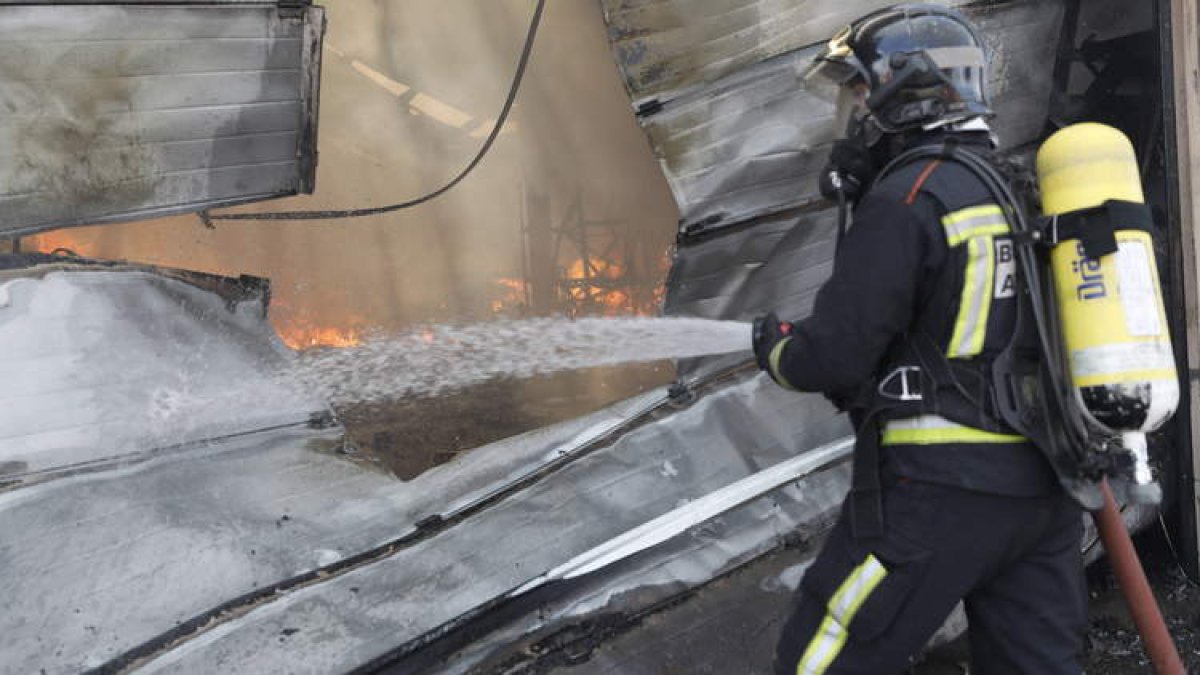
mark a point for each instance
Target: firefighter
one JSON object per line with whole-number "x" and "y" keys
{"x": 947, "y": 503}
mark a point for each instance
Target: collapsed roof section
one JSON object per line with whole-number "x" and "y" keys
{"x": 719, "y": 90}
{"x": 120, "y": 111}
{"x": 109, "y": 363}
{"x": 151, "y": 441}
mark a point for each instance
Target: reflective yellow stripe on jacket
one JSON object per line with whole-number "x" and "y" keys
{"x": 773, "y": 363}
{"x": 977, "y": 227}
{"x": 832, "y": 634}
{"x": 934, "y": 429}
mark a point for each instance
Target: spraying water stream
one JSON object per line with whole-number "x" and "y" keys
{"x": 440, "y": 359}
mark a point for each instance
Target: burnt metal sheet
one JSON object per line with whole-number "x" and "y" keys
{"x": 668, "y": 462}
{"x": 126, "y": 536}
{"x": 752, "y": 141}
{"x": 742, "y": 155}
{"x": 586, "y": 616}
{"x": 777, "y": 263}
{"x": 102, "y": 364}
{"x": 118, "y": 111}
{"x": 97, "y": 563}
{"x": 668, "y": 46}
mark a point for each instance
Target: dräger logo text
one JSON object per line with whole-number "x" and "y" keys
{"x": 1091, "y": 279}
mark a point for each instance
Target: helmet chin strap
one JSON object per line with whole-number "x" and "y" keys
{"x": 865, "y": 129}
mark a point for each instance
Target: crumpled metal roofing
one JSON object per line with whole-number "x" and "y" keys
{"x": 455, "y": 570}
{"x": 267, "y": 549}
{"x": 746, "y": 136}
{"x": 462, "y": 596}
{"x": 743, "y": 142}
{"x": 99, "y": 366}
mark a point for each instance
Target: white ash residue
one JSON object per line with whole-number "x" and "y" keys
{"x": 439, "y": 359}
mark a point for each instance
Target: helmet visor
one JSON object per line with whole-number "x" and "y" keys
{"x": 957, "y": 57}
{"x": 850, "y": 107}
{"x": 836, "y": 64}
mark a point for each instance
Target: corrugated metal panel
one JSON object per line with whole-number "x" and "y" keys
{"x": 777, "y": 263}
{"x": 667, "y": 46}
{"x": 742, "y": 141}
{"x": 115, "y": 112}
{"x": 416, "y": 595}
{"x": 208, "y": 522}
{"x": 70, "y": 400}
{"x": 753, "y": 141}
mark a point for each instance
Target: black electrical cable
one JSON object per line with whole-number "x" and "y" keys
{"x": 487, "y": 145}
{"x": 1174, "y": 553}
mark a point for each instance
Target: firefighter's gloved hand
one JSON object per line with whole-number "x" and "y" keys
{"x": 849, "y": 170}
{"x": 768, "y": 332}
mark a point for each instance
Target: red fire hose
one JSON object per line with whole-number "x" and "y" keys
{"x": 1136, "y": 590}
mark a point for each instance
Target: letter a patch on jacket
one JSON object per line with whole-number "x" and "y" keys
{"x": 1006, "y": 269}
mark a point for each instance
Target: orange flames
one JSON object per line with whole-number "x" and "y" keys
{"x": 514, "y": 296}
{"x": 594, "y": 286}
{"x": 595, "y": 283}
{"x": 299, "y": 330}
{"x": 307, "y": 337}
{"x": 58, "y": 241}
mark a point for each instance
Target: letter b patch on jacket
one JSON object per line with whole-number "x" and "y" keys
{"x": 1006, "y": 269}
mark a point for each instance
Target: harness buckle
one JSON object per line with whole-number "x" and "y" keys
{"x": 909, "y": 390}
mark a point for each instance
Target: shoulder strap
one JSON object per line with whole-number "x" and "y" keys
{"x": 1030, "y": 378}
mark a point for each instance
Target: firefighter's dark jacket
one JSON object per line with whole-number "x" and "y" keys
{"x": 927, "y": 264}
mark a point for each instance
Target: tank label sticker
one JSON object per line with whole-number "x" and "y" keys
{"x": 1122, "y": 362}
{"x": 1006, "y": 270}
{"x": 1139, "y": 297}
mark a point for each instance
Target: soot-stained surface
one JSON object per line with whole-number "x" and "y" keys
{"x": 412, "y": 435}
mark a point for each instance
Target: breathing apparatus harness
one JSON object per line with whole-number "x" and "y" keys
{"x": 1028, "y": 389}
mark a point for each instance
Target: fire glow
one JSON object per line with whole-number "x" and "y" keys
{"x": 596, "y": 286}
{"x": 300, "y": 338}
{"x": 514, "y": 296}
{"x": 300, "y": 331}
{"x": 590, "y": 284}
{"x": 56, "y": 242}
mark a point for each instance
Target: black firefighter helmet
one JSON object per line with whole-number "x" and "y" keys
{"x": 912, "y": 66}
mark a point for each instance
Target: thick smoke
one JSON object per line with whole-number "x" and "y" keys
{"x": 572, "y": 139}
{"x": 409, "y": 88}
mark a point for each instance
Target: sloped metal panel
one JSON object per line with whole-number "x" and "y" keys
{"x": 778, "y": 263}
{"x": 121, "y": 111}
{"x": 753, "y": 141}
{"x": 70, "y": 399}
{"x": 741, "y": 139}
{"x": 668, "y": 46}
{"x": 415, "y": 597}
{"x": 157, "y": 464}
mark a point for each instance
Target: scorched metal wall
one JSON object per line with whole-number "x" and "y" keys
{"x": 122, "y": 111}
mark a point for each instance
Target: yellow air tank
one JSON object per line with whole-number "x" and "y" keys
{"x": 1114, "y": 325}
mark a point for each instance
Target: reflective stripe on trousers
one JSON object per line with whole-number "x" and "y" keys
{"x": 831, "y": 636}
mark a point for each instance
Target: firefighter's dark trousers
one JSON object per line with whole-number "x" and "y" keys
{"x": 869, "y": 607}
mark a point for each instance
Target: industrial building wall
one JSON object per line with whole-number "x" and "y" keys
{"x": 1180, "y": 22}
{"x": 741, "y": 138}
{"x": 115, "y": 112}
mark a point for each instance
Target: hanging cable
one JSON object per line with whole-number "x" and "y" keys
{"x": 208, "y": 218}
{"x": 1175, "y": 554}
